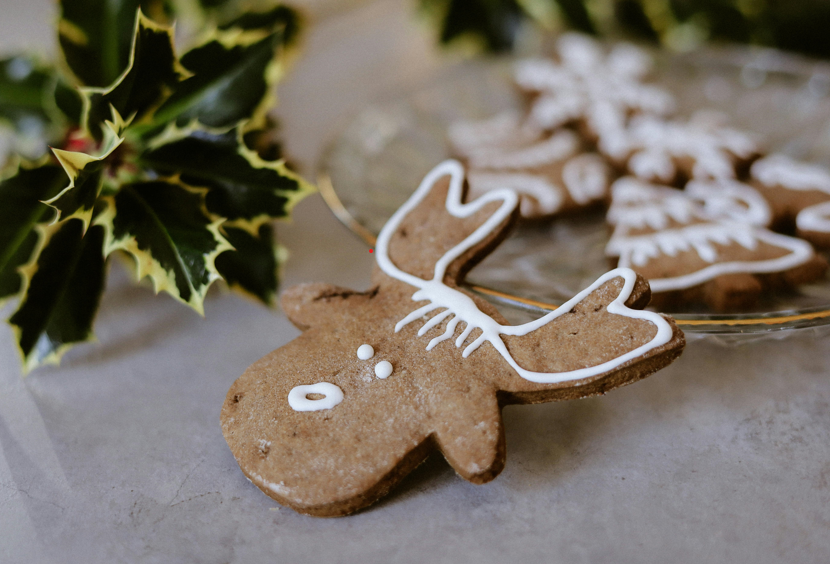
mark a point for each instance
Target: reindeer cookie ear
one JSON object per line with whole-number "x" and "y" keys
{"x": 435, "y": 221}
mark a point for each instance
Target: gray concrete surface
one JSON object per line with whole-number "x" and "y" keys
{"x": 117, "y": 455}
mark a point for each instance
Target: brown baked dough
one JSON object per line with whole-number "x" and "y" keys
{"x": 336, "y": 461}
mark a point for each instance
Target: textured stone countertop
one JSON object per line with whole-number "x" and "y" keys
{"x": 117, "y": 455}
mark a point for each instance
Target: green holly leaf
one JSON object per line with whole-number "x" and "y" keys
{"x": 242, "y": 187}
{"x": 86, "y": 176}
{"x": 253, "y": 266}
{"x": 280, "y": 18}
{"x": 21, "y": 210}
{"x": 69, "y": 102}
{"x": 64, "y": 289}
{"x": 96, "y": 36}
{"x": 163, "y": 224}
{"x": 232, "y": 81}
{"x": 152, "y": 73}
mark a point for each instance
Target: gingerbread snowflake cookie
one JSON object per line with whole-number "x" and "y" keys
{"x": 588, "y": 87}
{"x": 798, "y": 193}
{"x": 330, "y": 422}
{"x": 691, "y": 254}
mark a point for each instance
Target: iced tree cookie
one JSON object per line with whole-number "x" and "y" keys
{"x": 690, "y": 255}
{"x": 813, "y": 224}
{"x": 330, "y": 422}
{"x": 551, "y": 175}
{"x": 730, "y": 200}
{"x": 505, "y": 131}
{"x": 791, "y": 187}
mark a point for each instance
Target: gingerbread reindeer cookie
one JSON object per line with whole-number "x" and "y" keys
{"x": 705, "y": 245}
{"x": 330, "y": 422}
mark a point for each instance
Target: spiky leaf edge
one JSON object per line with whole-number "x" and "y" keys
{"x": 174, "y": 133}
{"x": 88, "y": 92}
{"x": 11, "y": 167}
{"x": 74, "y": 163}
{"x": 280, "y": 254}
{"x": 273, "y": 74}
{"x": 147, "y": 266}
{"x": 28, "y": 362}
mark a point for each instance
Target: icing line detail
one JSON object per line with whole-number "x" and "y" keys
{"x": 462, "y": 306}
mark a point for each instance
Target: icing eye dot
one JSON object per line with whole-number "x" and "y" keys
{"x": 299, "y": 401}
{"x": 383, "y": 369}
{"x": 365, "y": 352}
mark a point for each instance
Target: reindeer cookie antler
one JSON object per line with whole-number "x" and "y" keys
{"x": 458, "y": 306}
{"x": 328, "y": 423}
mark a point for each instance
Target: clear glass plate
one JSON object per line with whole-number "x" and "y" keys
{"x": 382, "y": 153}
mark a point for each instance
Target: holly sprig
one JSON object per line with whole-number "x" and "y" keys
{"x": 148, "y": 158}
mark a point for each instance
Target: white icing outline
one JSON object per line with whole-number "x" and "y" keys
{"x": 558, "y": 147}
{"x": 299, "y": 402}
{"x": 639, "y": 205}
{"x": 780, "y": 170}
{"x": 548, "y": 197}
{"x": 588, "y": 84}
{"x": 458, "y": 304}
{"x": 505, "y": 130}
{"x": 654, "y": 143}
{"x": 815, "y": 218}
{"x": 730, "y": 199}
{"x": 586, "y": 177}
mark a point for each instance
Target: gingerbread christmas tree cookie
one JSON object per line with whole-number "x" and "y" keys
{"x": 690, "y": 254}
{"x": 330, "y": 422}
{"x": 551, "y": 175}
{"x": 797, "y": 193}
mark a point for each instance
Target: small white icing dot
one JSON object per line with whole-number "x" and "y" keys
{"x": 383, "y": 369}
{"x": 365, "y": 352}
{"x": 299, "y": 401}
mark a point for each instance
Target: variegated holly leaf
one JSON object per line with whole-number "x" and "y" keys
{"x": 152, "y": 73}
{"x": 253, "y": 266}
{"x": 164, "y": 226}
{"x": 232, "y": 81}
{"x": 64, "y": 289}
{"x": 69, "y": 102}
{"x": 242, "y": 187}
{"x": 86, "y": 176}
{"x": 96, "y": 36}
{"x": 20, "y": 211}
{"x": 279, "y": 18}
